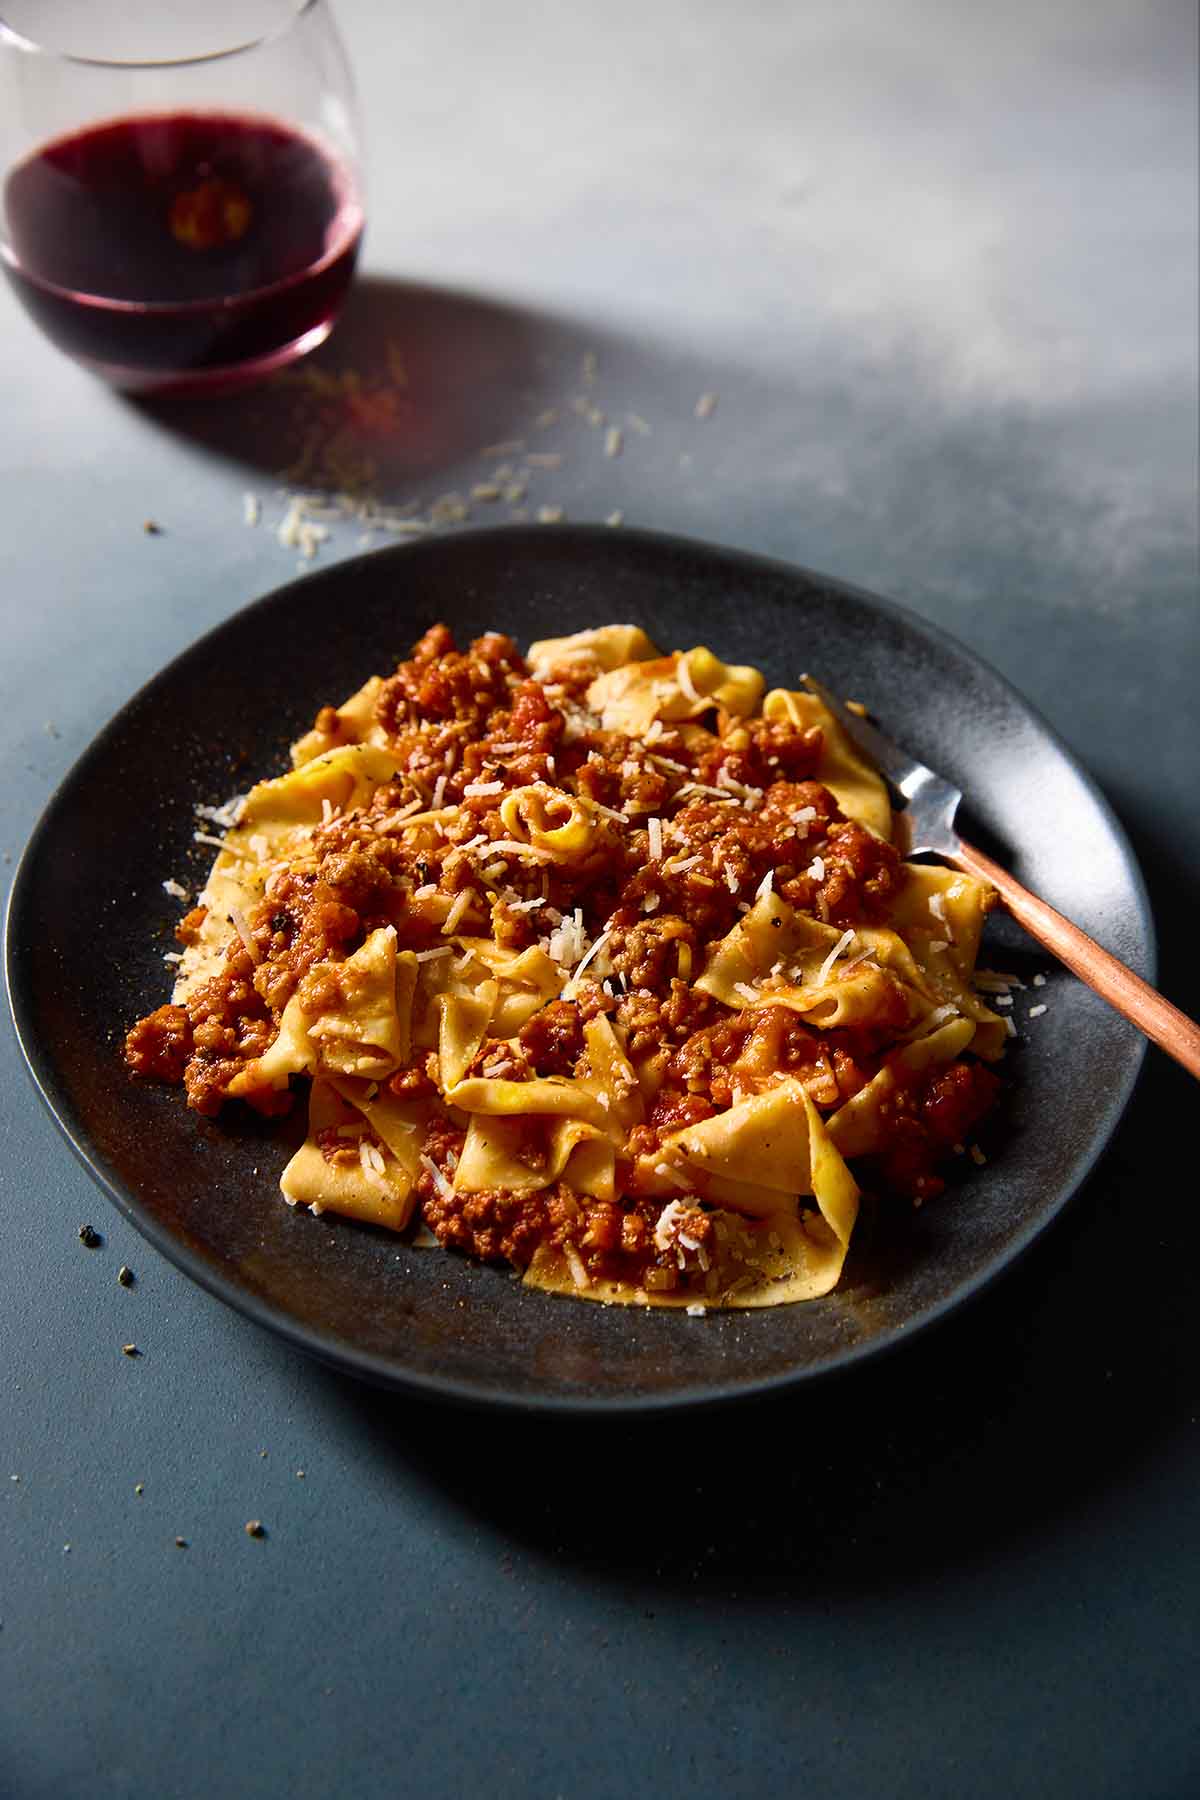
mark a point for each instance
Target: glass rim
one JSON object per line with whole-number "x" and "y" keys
{"x": 11, "y": 38}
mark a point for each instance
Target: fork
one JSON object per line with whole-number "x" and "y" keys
{"x": 930, "y": 804}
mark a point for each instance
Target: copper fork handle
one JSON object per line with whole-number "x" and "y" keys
{"x": 1161, "y": 1022}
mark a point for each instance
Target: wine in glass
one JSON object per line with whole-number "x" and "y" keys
{"x": 182, "y": 199}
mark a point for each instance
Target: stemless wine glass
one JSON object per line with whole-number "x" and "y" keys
{"x": 182, "y": 200}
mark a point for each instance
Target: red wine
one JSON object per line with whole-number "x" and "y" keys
{"x": 179, "y": 244}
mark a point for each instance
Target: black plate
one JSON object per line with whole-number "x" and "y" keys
{"x": 88, "y": 923}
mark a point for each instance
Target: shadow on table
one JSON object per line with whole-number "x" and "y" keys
{"x": 993, "y": 1428}
{"x": 412, "y": 380}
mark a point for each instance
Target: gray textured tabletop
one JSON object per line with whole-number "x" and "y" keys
{"x": 938, "y": 265}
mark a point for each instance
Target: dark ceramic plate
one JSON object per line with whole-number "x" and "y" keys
{"x": 89, "y": 921}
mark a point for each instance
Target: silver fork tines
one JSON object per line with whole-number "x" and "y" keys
{"x": 930, "y": 801}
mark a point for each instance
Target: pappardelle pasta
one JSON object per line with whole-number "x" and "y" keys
{"x": 599, "y": 962}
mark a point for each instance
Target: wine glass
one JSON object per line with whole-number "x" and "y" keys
{"x": 182, "y": 201}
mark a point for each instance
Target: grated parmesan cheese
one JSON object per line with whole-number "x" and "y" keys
{"x": 843, "y": 943}
{"x": 461, "y": 905}
{"x": 608, "y": 811}
{"x": 370, "y": 1158}
{"x": 702, "y": 787}
{"x": 225, "y": 814}
{"x": 435, "y": 1175}
{"x": 992, "y": 981}
{"x": 514, "y": 847}
{"x": 579, "y": 1274}
{"x": 668, "y": 1223}
{"x": 567, "y": 943}
{"x": 237, "y": 919}
{"x": 592, "y": 953}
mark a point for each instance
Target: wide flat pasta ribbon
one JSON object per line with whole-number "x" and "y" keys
{"x": 612, "y": 1076}
{"x": 862, "y": 1125}
{"x": 526, "y": 1154}
{"x": 753, "y": 1153}
{"x": 379, "y": 1186}
{"x": 462, "y": 1029}
{"x": 857, "y": 787}
{"x": 760, "y": 1143}
{"x": 940, "y": 914}
{"x": 357, "y": 723}
{"x": 783, "y": 1257}
{"x": 607, "y": 1100}
{"x": 235, "y": 885}
{"x": 684, "y": 685}
{"x": 550, "y": 1094}
{"x": 369, "y": 1032}
{"x": 345, "y": 778}
{"x": 776, "y": 956}
{"x": 273, "y": 823}
{"x": 365, "y": 1030}
{"x": 604, "y": 647}
{"x": 526, "y": 980}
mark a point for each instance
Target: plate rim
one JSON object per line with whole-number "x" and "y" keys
{"x": 374, "y": 1367}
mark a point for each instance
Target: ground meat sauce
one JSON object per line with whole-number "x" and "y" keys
{"x": 735, "y": 804}
{"x": 553, "y": 1038}
{"x": 927, "y": 1120}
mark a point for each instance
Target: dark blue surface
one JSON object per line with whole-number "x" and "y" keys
{"x": 940, "y": 269}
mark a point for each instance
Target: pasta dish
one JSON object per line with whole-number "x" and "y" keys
{"x": 598, "y": 962}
